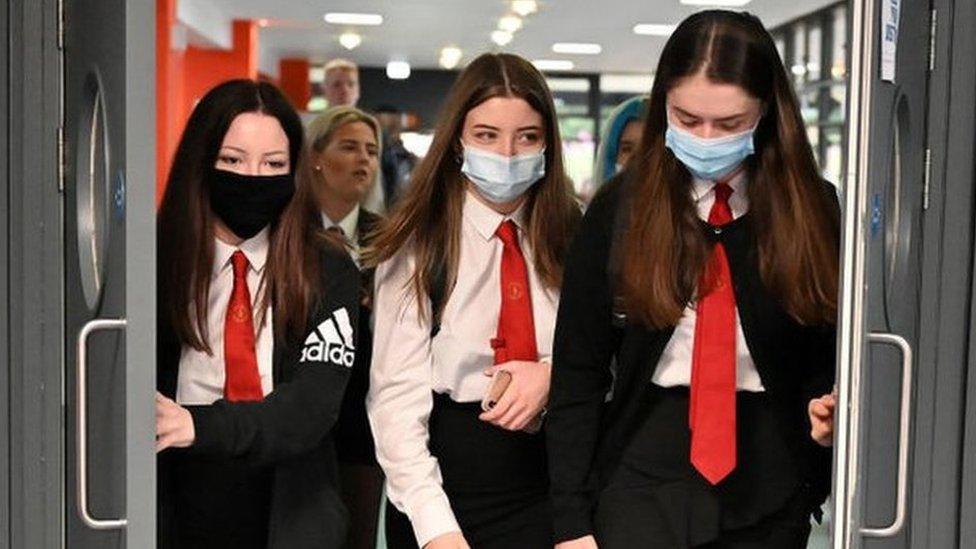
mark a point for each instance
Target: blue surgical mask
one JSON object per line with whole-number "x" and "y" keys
{"x": 500, "y": 178}
{"x": 710, "y": 159}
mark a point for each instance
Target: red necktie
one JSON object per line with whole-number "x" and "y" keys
{"x": 712, "y": 407}
{"x": 242, "y": 381}
{"x": 516, "y": 326}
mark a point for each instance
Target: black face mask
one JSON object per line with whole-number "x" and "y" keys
{"x": 249, "y": 203}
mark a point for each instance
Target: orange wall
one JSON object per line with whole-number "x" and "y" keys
{"x": 205, "y": 68}
{"x": 170, "y": 112}
{"x": 184, "y": 77}
{"x": 294, "y": 81}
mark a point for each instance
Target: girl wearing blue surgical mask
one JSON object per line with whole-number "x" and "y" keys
{"x": 707, "y": 275}
{"x": 469, "y": 268}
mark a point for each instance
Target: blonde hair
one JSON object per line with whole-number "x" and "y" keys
{"x": 341, "y": 64}
{"x": 320, "y": 130}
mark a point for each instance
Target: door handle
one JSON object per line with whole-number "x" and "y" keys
{"x": 901, "y": 503}
{"x": 82, "y": 426}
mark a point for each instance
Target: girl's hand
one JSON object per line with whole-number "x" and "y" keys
{"x": 525, "y": 397}
{"x": 450, "y": 540}
{"x": 586, "y": 542}
{"x": 821, "y": 412}
{"x": 174, "y": 425}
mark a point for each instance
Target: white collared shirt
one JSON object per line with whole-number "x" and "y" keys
{"x": 350, "y": 228}
{"x": 201, "y": 376}
{"x": 674, "y": 367}
{"x": 408, "y": 365}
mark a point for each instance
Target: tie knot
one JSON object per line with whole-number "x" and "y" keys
{"x": 240, "y": 263}
{"x": 507, "y": 232}
{"x": 337, "y": 230}
{"x": 722, "y": 192}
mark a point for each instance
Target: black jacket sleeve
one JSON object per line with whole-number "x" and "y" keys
{"x": 584, "y": 344}
{"x": 302, "y": 410}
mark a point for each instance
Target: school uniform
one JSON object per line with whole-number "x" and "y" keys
{"x": 354, "y": 440}
{"x": 446, "y": 469}
{"x": 260, "y": 473}
{"x": 621, "y": 468}
{"x": 360, "y": 476}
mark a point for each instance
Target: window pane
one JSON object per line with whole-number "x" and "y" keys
{"x": 837, "y": 103}
{"x": 814, "y": 58}
{"x": 833, "y": 160}
{"x": 579, "y": 149}
{"x": 798, "y": 64}
{"x": 838, "y": 64}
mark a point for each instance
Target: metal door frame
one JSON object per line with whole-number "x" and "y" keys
{"x": 937, "y": 455}
{"x": 960, "y": 173}
{"x": 35, "y": 276}
{"x": 4, "y": 293}
{"x": 140, "y": 253}
{"x": 31, "y": 247}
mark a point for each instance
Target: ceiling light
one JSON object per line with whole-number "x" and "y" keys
{"x": 574, "y": 48}
{"x": 553, "y": 64}
{"x": 525, "y": 7}
{"x": 350, "y": 40}
{"x": 718, "y": 3}
{"x": 510, "y": 23}
{"x": 450, "y": 57}
{"x": 500, "y": 37}
{"x": 371, "y": 19}
{"x": 398, "y": 70}
{"x": 651, "y": 29}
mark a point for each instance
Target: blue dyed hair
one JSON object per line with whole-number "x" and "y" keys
{"x": 632, "y": 109}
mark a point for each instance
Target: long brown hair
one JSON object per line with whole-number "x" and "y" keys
{"x": 185, "y": 223}
{"x": 294, "y": 262}
{"x": 428, "y": 217}
{"x": 664, "y": 251}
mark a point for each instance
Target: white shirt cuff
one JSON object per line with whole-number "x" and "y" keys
{"x": 433, "y": 519}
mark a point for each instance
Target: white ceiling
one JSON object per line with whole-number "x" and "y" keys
{"x": 416, "y": 30}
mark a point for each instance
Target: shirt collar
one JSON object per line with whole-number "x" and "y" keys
{"x": 254, "y": 248}
{"x": 348, "y": 224}
{"x": 486, "y": 220}
{"x": 700, "y": 188}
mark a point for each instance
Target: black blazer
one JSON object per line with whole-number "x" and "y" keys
{"x": 354, "y": 439}
{"x": 289, "y": 431}
{"x": 586, "y": 435}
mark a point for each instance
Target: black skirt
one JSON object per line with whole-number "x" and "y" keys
{"x": 217, "y": 503}
{"x": 657, "y": 499}
{"x": 496, "y": 481}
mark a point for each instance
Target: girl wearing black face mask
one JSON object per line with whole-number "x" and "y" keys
{"x": 256, "y": 331}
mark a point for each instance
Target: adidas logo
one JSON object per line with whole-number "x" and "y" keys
{"x": 331, "y": 341}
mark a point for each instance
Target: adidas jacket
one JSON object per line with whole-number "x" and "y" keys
{"x": 291, "y": 429}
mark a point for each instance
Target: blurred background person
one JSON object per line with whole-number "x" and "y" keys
{"x": 344, "y": 145}
{"x": 396, "y": 162}
{"x": 341, "y": 87}
{"x": 620, "y": 138}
